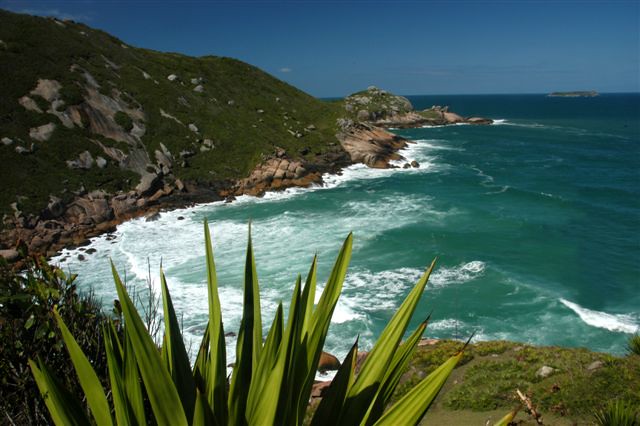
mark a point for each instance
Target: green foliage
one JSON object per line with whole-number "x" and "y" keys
{"x": 617, "y": 413}
{"x": 72, "y": 94}
{"x": 28, "y": 330}
{"x": 271, "y": 379}
{"x": 633, "y": 346}
{"x": 123, "y": 120}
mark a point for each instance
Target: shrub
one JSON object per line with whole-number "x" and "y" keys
{"x": 72, "y": 94}
{"x": 271, "y": 381}
{"x": 633, "y": 345}
{"x": 27, "y": 330}
{"x": 123, "y": 120}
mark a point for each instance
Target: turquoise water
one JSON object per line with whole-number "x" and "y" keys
{"x": 535, "y": 221}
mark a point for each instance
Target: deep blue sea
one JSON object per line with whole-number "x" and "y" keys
{"x": 535, "y": 221}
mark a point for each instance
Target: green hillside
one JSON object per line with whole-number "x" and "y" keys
{"x": 217, "y": 117}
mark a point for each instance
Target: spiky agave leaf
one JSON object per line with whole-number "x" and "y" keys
{"x": 177, "y": 360}
{"x": 413, "y": 406}
{"x": 87, "y": 376}
{"x": 211, "y": 365}
{"x": 163, "y": 396}
{"x": 364, "y": 390}
{"x": 249, "y": 343}
{"x": 63, "y": 407}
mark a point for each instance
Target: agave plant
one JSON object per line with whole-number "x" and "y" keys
{"x": 270, "y": 383}
{"x": 617, "y": 413}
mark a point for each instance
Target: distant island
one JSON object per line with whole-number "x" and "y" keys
{"x": 577, "y": 94}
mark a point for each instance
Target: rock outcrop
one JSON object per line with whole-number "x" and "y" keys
{"x": 278, "y": 172}
{"x": 370, "y": 145}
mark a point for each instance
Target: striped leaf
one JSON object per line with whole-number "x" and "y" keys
{"x": 372, "y": 373}
{"x": 249, "y": 342}
{"x": 115, "y": 362}
{"x": 328, "y": 411}
{"x": 132, "y": 381}
{"x": 64, "y": 408}
{"x": 87, "y": 376}
{"x": 176, "y": 354}
{"x": 508, "y": 418}
{"x": 162, "y": 393}
{"x": 412, "y": 406}
{"x": 213, "y": 363}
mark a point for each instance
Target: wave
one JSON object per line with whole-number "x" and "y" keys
{"x": 436, "y": 144}
{"x": 613, "y": 322}
{"x": 503, "y": 189}
{"x": 458, "y": 274}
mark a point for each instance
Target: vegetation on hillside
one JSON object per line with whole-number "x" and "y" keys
{"x": 243, "y": 112}
{"x": 576, "y": 382}
{"x": 28, "y": 331}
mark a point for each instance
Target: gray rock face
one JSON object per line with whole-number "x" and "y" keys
{"x": 54, "y": 209}
{"x": 48, "y": 89}
{"x": 545, "y": 371}
{"x": 25, "y": 151}
{"x": 363, "y": 115}
{"x": 595, "y": 365}
{"x": 149, "y": 183}
{"x": 123, "y": 204}
{"x": 29, "y": 104}
{"x": 101, "y": 162}
{"x": 172, "y": 77}
{"x": 42, "y": 133}
{"x": 199, "y": 88}
{"x": 85, "y": 161}
{"x": 193, "y": 128}
{"x": 6, "y": 141}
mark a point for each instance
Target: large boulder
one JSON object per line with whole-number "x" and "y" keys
{"x": 479, "y": 120}
{"x": 328, "y": 362}
{"x": 47, "y": 89}
{"x": 42, "y": 133}
{"x": 84, "y": 161}
{"x": 149, "y": 184}
{"x": 54, "y": 209}
{"x": 452, "y": 117}
{"x": 10, "y": 255}
{"x": 124, "y": 204}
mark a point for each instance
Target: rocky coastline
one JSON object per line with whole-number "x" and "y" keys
{"x": 362, "y": 137}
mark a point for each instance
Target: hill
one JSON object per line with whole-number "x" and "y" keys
{"x": 95, "y": 131}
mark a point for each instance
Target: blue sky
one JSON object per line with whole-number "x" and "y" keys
{"x": 333, "y": 48}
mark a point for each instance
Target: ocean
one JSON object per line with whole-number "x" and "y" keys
{"x": 535, "y": 221}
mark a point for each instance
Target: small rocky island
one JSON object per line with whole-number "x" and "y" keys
{"x": 577, "y": 94}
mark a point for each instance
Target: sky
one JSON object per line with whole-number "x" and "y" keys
{"x": 333, "y": 48}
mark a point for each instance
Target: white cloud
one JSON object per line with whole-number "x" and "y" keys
{"x": 285, "y": 69}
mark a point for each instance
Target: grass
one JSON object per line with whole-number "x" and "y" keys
{"x": 484, "y": 383}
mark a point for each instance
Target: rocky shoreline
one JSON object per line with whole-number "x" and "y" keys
{"x": 363, "y": 139}
{"x": 63, "y": 225}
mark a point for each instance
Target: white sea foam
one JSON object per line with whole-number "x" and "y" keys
{"x": 622, "y": 323}
{"x": 458, "y": 274}
{"x": 502, "y": 189}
